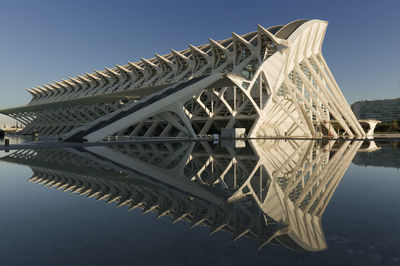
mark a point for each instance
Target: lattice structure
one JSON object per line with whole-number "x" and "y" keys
{"x": 273, "y": 191}
{"x": 272, "y": 82}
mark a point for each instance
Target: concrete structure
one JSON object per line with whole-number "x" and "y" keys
{"x": 272, "y": 82}
{"x": 271, "y": 190}
{"x": 369, "y": 126}
{"x": 382, "y": 110}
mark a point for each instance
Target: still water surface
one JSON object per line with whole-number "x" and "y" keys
{"x": 264, "y": 203}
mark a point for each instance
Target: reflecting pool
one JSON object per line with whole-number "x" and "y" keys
{"x": 262, "y": 202}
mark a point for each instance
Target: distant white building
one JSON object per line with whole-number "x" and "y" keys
{"x": 271, "y": 82}
{"x": 11, "y": 128}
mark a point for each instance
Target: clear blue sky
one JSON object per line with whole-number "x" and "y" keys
{"x": 43, "y": 41}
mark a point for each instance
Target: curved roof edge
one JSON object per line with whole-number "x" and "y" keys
{"x": 288, "y": 29}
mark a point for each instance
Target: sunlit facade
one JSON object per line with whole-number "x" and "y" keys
{"x": 271, "y": 82}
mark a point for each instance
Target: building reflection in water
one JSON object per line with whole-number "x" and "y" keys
{"x": 273, "y": 191}
{"x": 381, "y": 154}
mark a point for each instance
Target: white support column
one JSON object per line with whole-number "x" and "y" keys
{"x": 330, "y": 102}
{"x": 339, "y": 92}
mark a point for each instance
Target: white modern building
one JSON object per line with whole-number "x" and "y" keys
{"x": 271, "y": 82}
